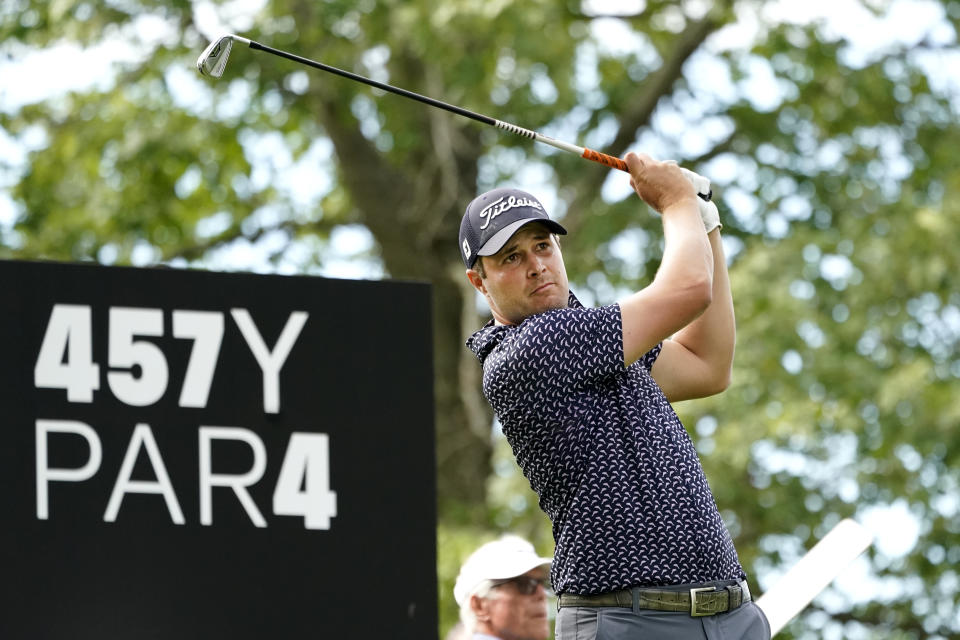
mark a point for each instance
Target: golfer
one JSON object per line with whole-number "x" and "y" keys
{"x": 583, "y": 396}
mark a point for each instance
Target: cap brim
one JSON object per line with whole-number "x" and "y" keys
{"x": 462, "y": 591}
{"x": 500, "y": 238}
{"x": 519, "y": 570}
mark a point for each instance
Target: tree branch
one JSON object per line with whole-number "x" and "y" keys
{"x": 638, "y": 111}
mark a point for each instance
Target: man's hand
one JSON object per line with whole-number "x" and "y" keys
{"x": 660, "y": 184}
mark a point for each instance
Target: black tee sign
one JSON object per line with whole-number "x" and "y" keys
{"x": 186, "y": 454}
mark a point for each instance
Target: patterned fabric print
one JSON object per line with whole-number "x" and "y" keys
{"x": 614, "y": 468}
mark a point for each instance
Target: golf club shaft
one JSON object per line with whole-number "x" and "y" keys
{"x": 589, "y": 154}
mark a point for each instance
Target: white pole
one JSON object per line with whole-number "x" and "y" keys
{"x": 811, "y": 575}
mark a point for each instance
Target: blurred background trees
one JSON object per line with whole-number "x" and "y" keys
{"x": 830, "y": 139}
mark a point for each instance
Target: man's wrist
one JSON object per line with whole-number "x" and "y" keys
{"x": 683, "y": 204}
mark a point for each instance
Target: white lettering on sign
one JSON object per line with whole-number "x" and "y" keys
{"x": 68, "y": 332}
{"x": 237, "y": 482}
{"x": 126, "y": 352}
{"x": 270, "y": 362}
{"x": 501, "y": 205}
{"x": 46, "y": 474}
{"x": 306, "y": 464}
{"x": 205, "y": 328}
{"x": 302, "y": 488}
{"x": 139, "y": 373}
{"x": 143, "y": 437}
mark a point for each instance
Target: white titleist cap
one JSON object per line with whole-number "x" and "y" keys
{"x": 508, "y": 557}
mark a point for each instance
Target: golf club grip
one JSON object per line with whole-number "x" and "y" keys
{"x": 602, "y": 158}
{"x": 617, "y": 163}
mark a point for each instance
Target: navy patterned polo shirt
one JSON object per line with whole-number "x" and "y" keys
{"x": 614, "y": 468}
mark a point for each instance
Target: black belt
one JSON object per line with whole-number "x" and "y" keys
{"x": 699, "y": 601}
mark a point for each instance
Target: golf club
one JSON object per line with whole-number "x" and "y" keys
{"x": 214, "y": 58}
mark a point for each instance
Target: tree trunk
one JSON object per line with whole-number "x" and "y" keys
{"x": 399, "y": 205}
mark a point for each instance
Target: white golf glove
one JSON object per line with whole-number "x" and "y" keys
{"x": 708, "y": 210}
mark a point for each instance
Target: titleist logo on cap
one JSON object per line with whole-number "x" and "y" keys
{"x": 502, "y": 205}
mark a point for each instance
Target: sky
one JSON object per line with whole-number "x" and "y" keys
{"x": 32, "y": 76}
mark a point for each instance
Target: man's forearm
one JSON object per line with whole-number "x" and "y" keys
{"x": 679, "y": 293}
{"x": 687, "y": 256}
{"x": 712, "y": 336}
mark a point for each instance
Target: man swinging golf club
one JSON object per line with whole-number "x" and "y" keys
{"x": 583, "y": 396}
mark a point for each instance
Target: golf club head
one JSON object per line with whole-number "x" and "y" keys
{"x": 214, "y": 58}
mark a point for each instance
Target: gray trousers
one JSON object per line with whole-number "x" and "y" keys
{"x": 746, "y": 622}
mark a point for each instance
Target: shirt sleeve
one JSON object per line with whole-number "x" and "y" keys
{"x": 651, "y": 356}
{"x": 563, "y": 348}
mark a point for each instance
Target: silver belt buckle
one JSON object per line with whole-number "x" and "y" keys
{"x": 693, "y": 602}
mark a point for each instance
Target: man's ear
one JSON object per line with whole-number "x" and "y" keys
{"x": 474, "y": 277}
{"x": 480, "y": 608}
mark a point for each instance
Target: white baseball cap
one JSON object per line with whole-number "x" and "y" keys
{"x": 508, "y": 557}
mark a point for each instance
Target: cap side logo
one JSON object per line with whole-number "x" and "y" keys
{"x": 501, "y": 205}
{"x": 466, "y": 248}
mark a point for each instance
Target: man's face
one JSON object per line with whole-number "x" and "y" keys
{"x": 525, "y": 277}
{"x": 514, "y": 615}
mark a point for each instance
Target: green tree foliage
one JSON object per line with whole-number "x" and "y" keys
{"x": 833, "y": 164}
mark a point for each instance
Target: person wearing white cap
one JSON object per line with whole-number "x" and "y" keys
{"x": 502, "y": 591}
